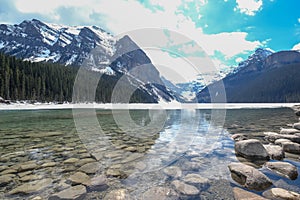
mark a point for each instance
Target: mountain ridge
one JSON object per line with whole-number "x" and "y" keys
{"x": 90, "y": 47}
{"x": 273, "y": 79}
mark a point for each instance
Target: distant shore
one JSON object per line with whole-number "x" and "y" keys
{"x": 172, "y": 105}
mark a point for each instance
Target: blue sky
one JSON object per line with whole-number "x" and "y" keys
{"x": 227, "y": 30}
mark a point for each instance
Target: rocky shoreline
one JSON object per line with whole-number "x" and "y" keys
{"x": 56, "y": 165}
{"x": 267, "y": 154}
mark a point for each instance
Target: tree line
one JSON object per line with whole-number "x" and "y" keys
{"x": 50, "y": 82}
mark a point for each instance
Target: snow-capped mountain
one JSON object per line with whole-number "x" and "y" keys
{"x": 97, "y": 49}
{"x": 263, "y": 77}
{"x": 37, "y": 41}
{"x": 254, "y": 61}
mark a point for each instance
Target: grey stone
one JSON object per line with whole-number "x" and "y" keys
{"x": 251, "y": 149}
{"x": 240, "y": 194}
{"x": 291, "y": 147}
{"x": 79, "y": 178}
{"x": 283, "y": 168}
{"x": 97, "y": 183}
{"x": 32, "y": 187}
{"x": 184, "y": 188}
{"x": 272, "y": 137}
{"x": 5, "y": 179}
{"x": 249, "y": 177}
{"x": 239, "y": 137}
{"x": 296, "y": 126}
{"x": 282, "y": 194}
{"x": 71, "y": 161}
{"x": 196, "y": 179}
{"x": 90, "y": 168}
{"x": 31, "y": 177}
{"x": 275, "y": 152}
{"x": 289, "y": 131}
{"x": 48, "y": 164}
{"x": 160, "y": 193}
{"x": 27, "y": 167}
{"x": 8, "y": 171}
{"x": 173, "y": 171}
{"x": 73, "y": 193}
{"x": 281, "y": 141}
{"x": 119, "y": 194}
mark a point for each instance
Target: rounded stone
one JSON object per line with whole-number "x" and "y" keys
{"x": 251, "y": 149}
{"x": 184, "y": 188}
{"x": 173, "y": 171}
{"x": 249, "y": 177}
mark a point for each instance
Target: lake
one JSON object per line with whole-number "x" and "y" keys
{"x": 137, "y": 154}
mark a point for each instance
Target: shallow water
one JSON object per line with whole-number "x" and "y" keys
{"x": 133, "y": 154}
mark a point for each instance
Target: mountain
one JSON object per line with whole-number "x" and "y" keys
{"x": 263, "y": 77}
{"x": 36, "y": 41}
{"x": 88, "y": 46}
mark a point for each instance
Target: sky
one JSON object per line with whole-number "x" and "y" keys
{"x": 227, "y": 30}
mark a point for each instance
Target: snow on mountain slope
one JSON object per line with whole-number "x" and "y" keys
{"x": 37, "y": 41}
{"x": 97, "y": 49}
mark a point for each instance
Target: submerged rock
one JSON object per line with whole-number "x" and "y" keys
{"x": 275, "y": 152}
{"x": 173, "y": 171}
{"x": 160, "y": 193}
{"x": 71, "y": 161}
{"x": 196, "y": 179}
{"x": 73, "y": 193}
{"x": 97, "y": 183}
{"x": 119, "y": 194}
{"x": 251, "y": 149}
{"x": 90, "y": 168}
{"x": 279, "y": 193}
{"x": 27, "y": 167}
{"x": 240, "y": 194}
{"x": 184, "y": 188}
{"x": 283, "y": 168}
{"x": 32, "y": 187}
{"x": 79, "y": 178}
{"x": 5, "y": 179}
{"x": 249, "y": 177}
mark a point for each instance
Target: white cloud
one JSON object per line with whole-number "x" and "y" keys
{"x": 296, "y": 47}
{"x": 298, "y": 20}
{"x": 249, "y": 7}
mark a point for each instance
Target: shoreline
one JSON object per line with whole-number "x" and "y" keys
{"x": 134, "y": 106}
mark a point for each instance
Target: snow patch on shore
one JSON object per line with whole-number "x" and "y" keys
{"x": 137, "y": 106}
